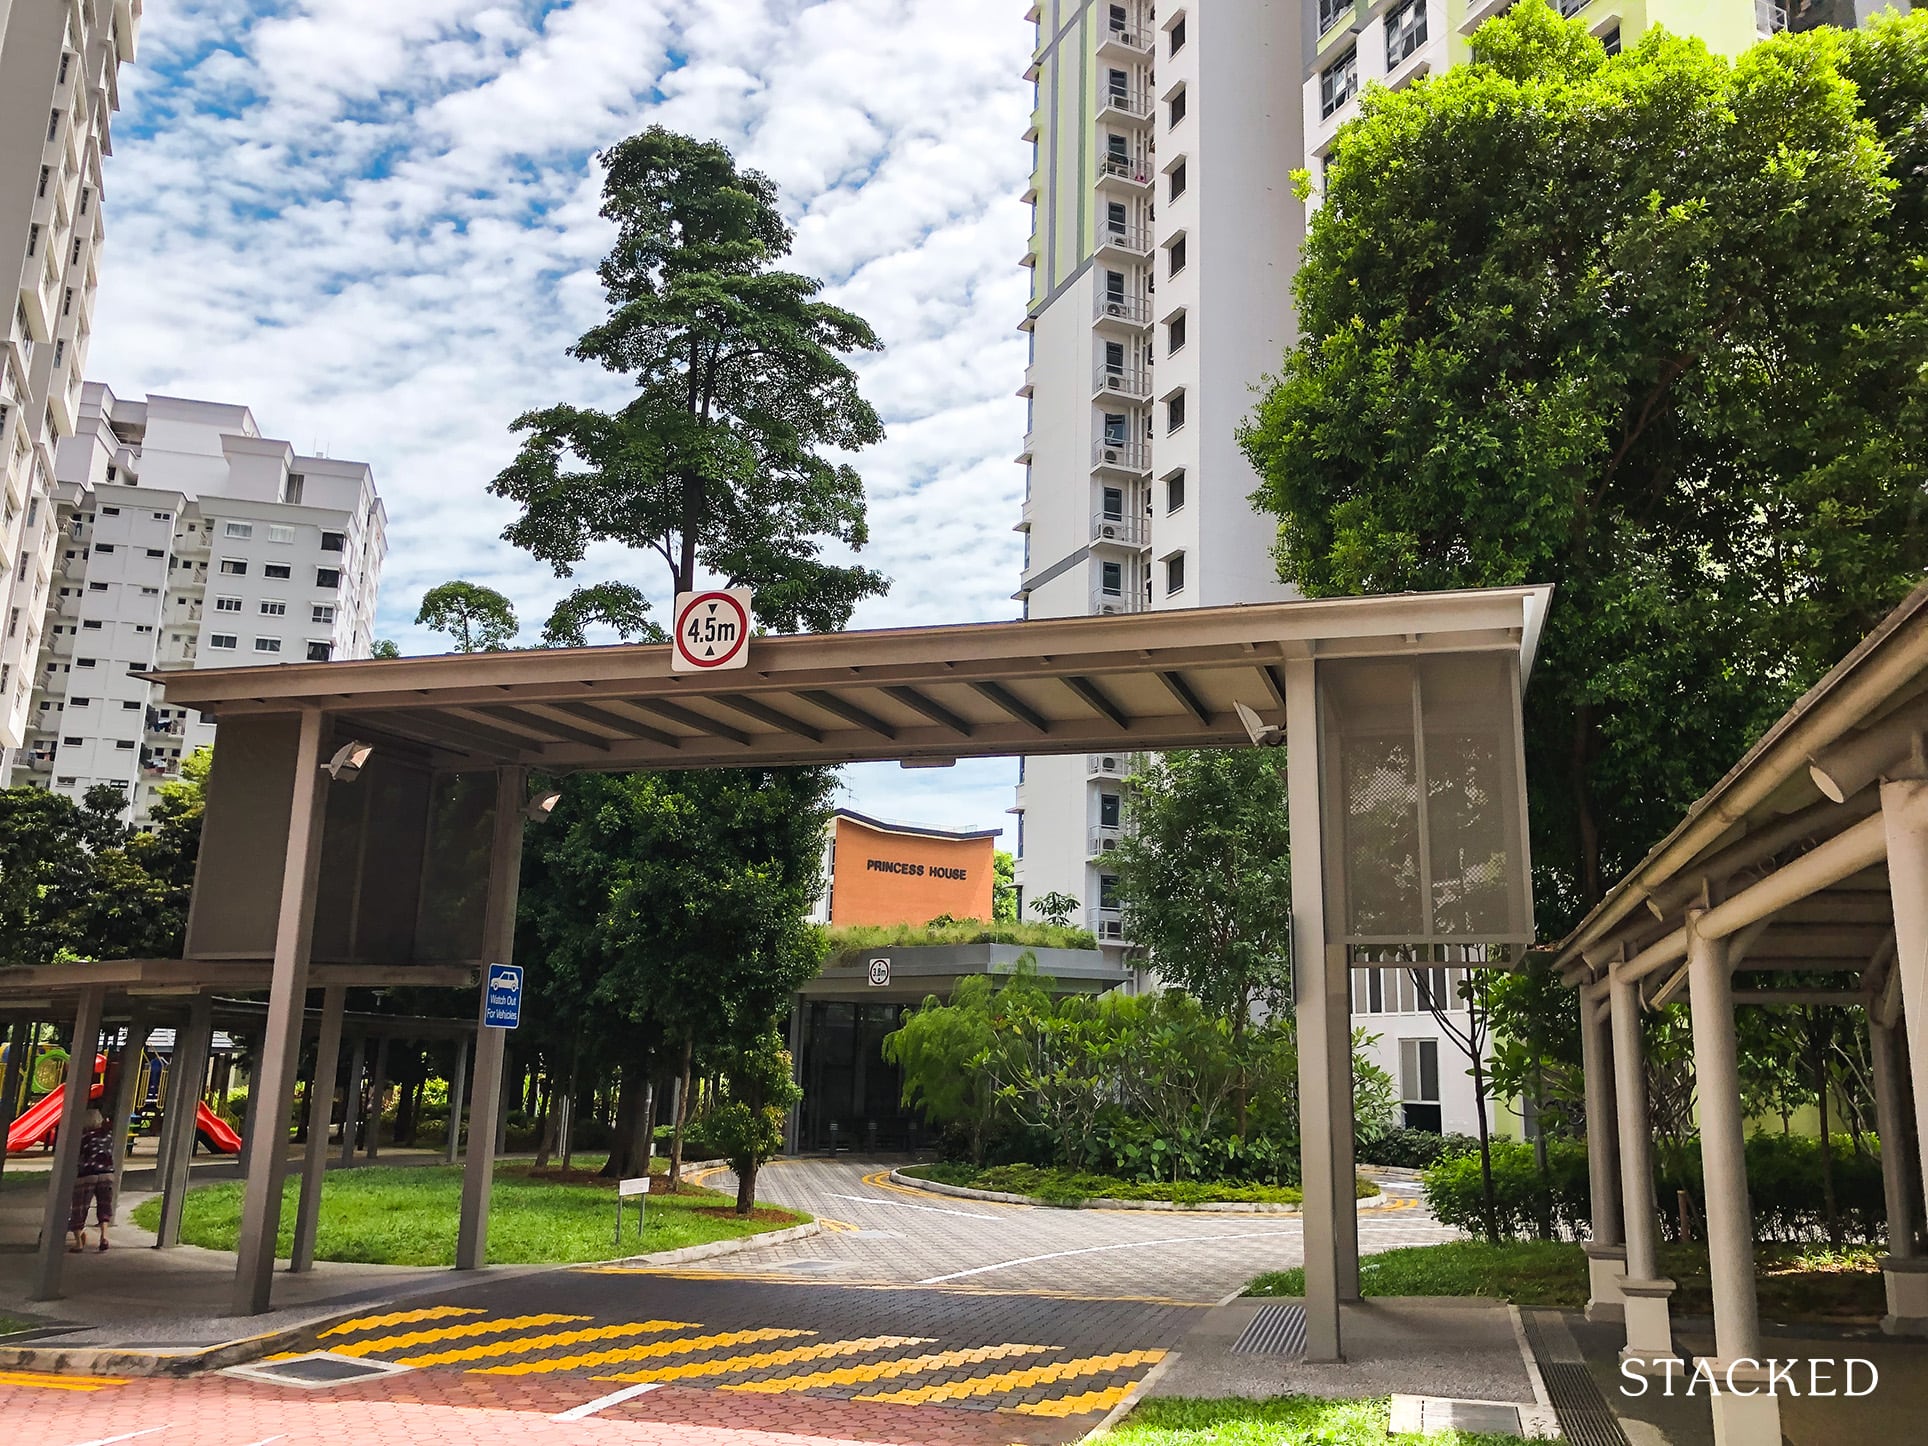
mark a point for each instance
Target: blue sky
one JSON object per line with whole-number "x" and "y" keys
{"x": 375, "y": 223}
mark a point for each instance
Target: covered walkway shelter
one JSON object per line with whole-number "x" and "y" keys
{"x": 369, "y": 814}
{"x": 1810, "y": 857}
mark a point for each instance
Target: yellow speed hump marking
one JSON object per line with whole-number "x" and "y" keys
{"x": 522, "y": 1345}
{"x": 497, "y": 1326}
{"x": 401, "y": 1317}
{"x": 1019, "y": 1380}
{"x": 1078, "y": 1405}
{"x": 762, "y": 1360}
{"x": 47, "y": 1381}
{"x": 884, "y": 1370}
{"x": 683, "y": 1345}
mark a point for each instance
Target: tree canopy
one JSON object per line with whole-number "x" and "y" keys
{"x": 477, "y": 619}
{"x": 719, "y": 463}
{"x": 1648, "y": 327}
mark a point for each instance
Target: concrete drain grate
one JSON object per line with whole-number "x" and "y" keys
{"x": 1585, "y": 1417}
{"x": 1277, "y": 1330}
{"x": 315, "y": 1371}
{"x": 1432, "y": 1415}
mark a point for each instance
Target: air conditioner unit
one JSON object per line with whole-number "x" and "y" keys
{"x": 1109, "y": 608}
{"x": 1108, "y": 531}
{"x": 1108, "y": 845}
{"x": 1111, "y": 454}
{"x": 1114, "y": 308}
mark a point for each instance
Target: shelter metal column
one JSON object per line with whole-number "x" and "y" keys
{"x": 60, "y": 1180}
{"x": 378, "y": 1087}
{"x": 1745, "y": 1407}
{"x": 1646, "y": 1294}
{"x": 1904, "y": 1270}
{"x": 505, "y": 866}
{"x": 192, "y": 1043}
{"x": 266, "y": 1147}
{"x": 351, "y": 1099}
{"x": 1904, "y": 812}
{"x": 321, "y": 1105}
{"x": 1607, "y": 1250}
{"x": 18, "y": 1033}
{"x": 1319, "y": 1114}
{"x": 126, "y": 1083}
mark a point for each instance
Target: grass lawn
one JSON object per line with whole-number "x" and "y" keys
{"x": 407, "y": 1215}
{"x": 1280, "y": 1421}
{"x": 1795, "y": 1281}
{"x": 1057, "y": 1186}
{"x": 10, "y": 1326}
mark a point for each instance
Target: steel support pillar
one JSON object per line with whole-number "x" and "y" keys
{"x": 351, "y": 1099}
{"x": 453, "y": 1145}
{"x": 1904, "y": 1270}
{"x": 1753, "y": 1414}
{"x": 266, "y": 1147}
{"x": 1904, "y": 812}
{"x": 126, "y": 1084}
{"x": 1607, "y": 1250}
{"x": 321, "y": 1106}
{"x": 193, "y": 1040}
{"x": 377, "y": 1087}
{"x": 73, "y": 1111}
{"x": 1645, "y": 1292}
{"x": 505, "y": 867}
{"x": 18, "y": 1033}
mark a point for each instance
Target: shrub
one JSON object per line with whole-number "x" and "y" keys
{"x": 1413, "y": 1149}
{"x": 1525, "y": 1204}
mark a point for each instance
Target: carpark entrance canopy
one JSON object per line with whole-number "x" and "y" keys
{"x": 1406, "y": 782}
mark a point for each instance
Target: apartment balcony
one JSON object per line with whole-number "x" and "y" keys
{"x": 1023, "y": 457}
{"x": 38, "y": 299}
{"x": 1124, "y": 242}
{"x": 1102, "y": 841}
{"x": 1107, "y": 924}
{"x": 1129, "y": 384}
{"x": 1769, "y": 18}
{"x": 59, "y": 645}
{"x": 1126, "y": 598}
{"x": 1129, "y": 42}
{"x": 1109, "y": 531}
{"x": 1118, "y": 766}
{"x": 1128, "y": 106}
{"x": 67, "y": 607}
{"x": 1132, "y": 457}
{"x": 1129, "y": 174}
{"x": 1108, "y": 309}
{"x": 40, "y": 760}
{"x": 178, "y": 655}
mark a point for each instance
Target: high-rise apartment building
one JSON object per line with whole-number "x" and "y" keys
{"x": 1165, "y": 234}
{"x": 59, "y": 67}
{"x": 186, "y": 539}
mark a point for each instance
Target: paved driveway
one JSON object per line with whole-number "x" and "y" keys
{"x": 913, "y": 1318}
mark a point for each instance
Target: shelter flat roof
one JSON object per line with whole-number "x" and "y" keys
{"x": 1151, "y": 680}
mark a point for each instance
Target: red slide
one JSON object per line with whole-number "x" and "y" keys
{"x": 215, "y": 1132}
{"x": 38, "y": 1121}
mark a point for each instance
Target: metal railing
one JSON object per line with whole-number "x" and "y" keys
{"x": 1103, "y": 841}
{"x": 1121, "y": 382}
{"x": 1126, "y": 456}
{"x": 1107, "y": 924}
{"x": 1135, "y": 239}
{"x": 1135, "y": 310}
{"x": 1769, "y": 18}
{"x": 1129, "y": 598}
{"x": 1131, "y": 102}
{"x": 1113, "y": 765}
{"x": 1134, "y": 169}
{"x": 1123, "y": 531}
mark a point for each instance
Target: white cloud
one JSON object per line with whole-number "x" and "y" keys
{"x": 377, "y": 225}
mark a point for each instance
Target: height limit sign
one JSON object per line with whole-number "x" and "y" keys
{"x": 712, "y": 630}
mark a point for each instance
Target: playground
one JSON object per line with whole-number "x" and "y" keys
{"x": 44, "y": 1070}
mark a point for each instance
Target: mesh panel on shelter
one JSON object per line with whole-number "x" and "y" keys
{"x": 1425, "y": 808}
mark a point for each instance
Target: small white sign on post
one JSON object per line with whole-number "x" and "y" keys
{"x": 712, "y": 630}
{"x": 879, "y": 972}
{"x": 632, "y": 1189}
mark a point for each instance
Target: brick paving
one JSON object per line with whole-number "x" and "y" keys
{"x": 916, "y": 1318}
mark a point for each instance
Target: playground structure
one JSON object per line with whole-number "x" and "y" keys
{"x": 38, "y": 1123}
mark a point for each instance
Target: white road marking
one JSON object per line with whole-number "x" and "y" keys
{"x": 1094, "y": 1249}
{"x": 614, "y": 1398}
{"x": 906, "y": 1205}
{"x": 265, "y": 1440}
{"x": 126, "y": 1436}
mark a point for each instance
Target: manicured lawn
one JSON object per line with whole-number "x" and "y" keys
{"x": 1070, "y": 1187}
{"x": 407, "y": 1215}
{"x": 9, "y": 1326}
{"x": 1280, "y": 1421}
{"x": 1795, "y": 1281}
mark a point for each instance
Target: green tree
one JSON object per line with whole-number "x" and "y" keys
{"x": 1004, "y": 888}
{"x": 944, "y": 1054}
{"x": 1056, "y": 908}
{"x": 749, "y": 1124}
{"x": 718, "y": 464}
{"x": 1649, "y": 328}
{"x": 478, "y": 619}
{"x": 385, "y": 648}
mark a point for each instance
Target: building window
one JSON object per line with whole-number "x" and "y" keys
{"x": 1110, "y": 810}
{"x": 1111, "y": 579}
{"x": 234, "y": 567}
{"x": 1114, "y": 429}
{"x": 1175, "y": 334}
{"x": 267, "y": 645}
{"x": 273, "y": 608}
{"x": 103, "y": 547}
{"x": 280, "y": 532}
{"x": 93, "y": 623}
{"x": 127, "y": 744}
{"x": 223, "y": 640}
{"x": 322, "y": 613}
{"x": 97, "y": 587}
{"x": 333, "y": 541}
{"x": 1339, "y": 82}
{"x": 1178, "y": 180}
{"x": 1419, "y": 1083}
{"x": 1331, "y": 12}
{"x": 1178, "y": 36}
{"x": 237, "y": 529}
{"x": 81, "y": 702}
{"x": 1174, "y": 574}
{"x": 320, "y": 652}
{"x": 1176, "y": 106}
{"x": 292, "y": 492}
{"x": 1175, "y": 256}
{"x": 85, "y": 662}
{"x": 1612, "y": 40}
{"x": 327, "y": 577}
{"x": 1405, "y": 31}
{"x": 155, "y": 552}
{"x": 1108, "y": 891}
{"x": 227, "y": 604}
{"x": 1175, "y": 412}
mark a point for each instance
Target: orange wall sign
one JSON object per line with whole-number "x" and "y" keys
{"x": 885, "y": 877}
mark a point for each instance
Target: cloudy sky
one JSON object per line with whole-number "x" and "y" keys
{"x": 374, "y": 221}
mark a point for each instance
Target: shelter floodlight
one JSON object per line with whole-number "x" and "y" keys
{"x": 1262, "y": 734}
{"x": 927, "y": 763}
{"x": 348, "y": 761}
{"x": 543, "y": 804}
